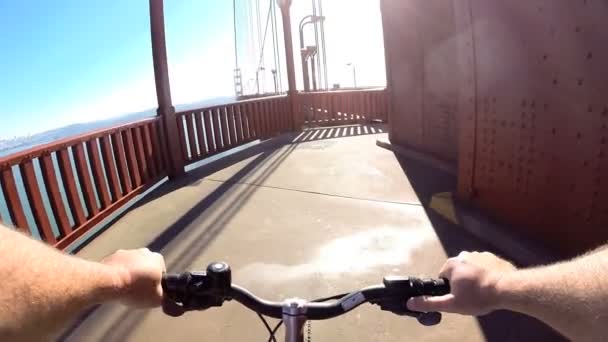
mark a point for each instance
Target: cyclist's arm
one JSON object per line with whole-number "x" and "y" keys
{"x": 572, "y": 296}
{"x": 42, "y": 288}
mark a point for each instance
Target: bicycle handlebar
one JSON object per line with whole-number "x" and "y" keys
{"x": 202, "y": 290}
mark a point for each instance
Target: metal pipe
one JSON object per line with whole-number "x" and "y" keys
{"x": 305, "y": 74}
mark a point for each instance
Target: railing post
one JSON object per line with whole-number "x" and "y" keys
{"x": 291, "y": 73}
{"x": 163, "y": 91}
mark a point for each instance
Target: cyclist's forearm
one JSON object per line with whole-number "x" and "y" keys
{"x": 572, "y": 297}
{"x": 42, "y": 288}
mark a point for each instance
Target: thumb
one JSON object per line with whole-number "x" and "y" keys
{"x": 428, "y": 304}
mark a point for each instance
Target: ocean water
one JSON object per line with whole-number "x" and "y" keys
{"x": 4, "y": 214}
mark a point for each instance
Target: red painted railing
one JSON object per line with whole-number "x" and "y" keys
{"x": 71, "y": 185}
{"x": 59, "y": 191}
{"x": 208, "y": 131}
{"x": 342, "y": 107}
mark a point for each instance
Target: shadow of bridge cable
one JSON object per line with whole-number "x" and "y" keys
{"x": 195, "y": 241}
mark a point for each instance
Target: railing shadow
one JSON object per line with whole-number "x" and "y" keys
{"x": 334, "y": 132}
{"x": 185, "y": 234}
{"x": 269, "y": 156}
{"x": 498, "y": 326}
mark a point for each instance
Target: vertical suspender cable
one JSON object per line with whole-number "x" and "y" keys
{"x": 236, "y": 55}
{"x": 274, "y": 47}
{"x": 261, "y": 64}
{"x": 323, "y": 45}
{"x": 251, "y": 55}
{"x": 260, "y": 47}
{"x": 317, "y": 59}
{"x": 237, "y": 72}
{"x": 277, "y": 53}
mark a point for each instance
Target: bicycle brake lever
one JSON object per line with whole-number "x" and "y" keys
{"x": 429, "y": 318}
{"x": 398, "y": 308}
{"x": 171, "y": 308}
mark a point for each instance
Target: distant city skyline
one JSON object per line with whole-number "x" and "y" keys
{"x": 75, "y": 61}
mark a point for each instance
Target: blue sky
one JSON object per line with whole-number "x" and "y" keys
{"x": 59, "y": 58}
{"x": 68, "y": 61}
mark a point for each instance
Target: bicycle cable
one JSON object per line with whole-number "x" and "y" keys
{"x": 272, "y": 337}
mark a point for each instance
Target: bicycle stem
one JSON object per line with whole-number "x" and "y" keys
{"x": 294, "y": 319}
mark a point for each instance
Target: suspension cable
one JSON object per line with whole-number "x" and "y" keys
{"x": 323, "y": 45}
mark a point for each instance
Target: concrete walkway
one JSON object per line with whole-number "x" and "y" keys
{"x": 312, "y": 215}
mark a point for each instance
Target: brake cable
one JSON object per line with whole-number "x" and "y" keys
{"x": 272, "y": 332}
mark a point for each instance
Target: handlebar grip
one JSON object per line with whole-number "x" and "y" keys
{"x": 435, "y": 287}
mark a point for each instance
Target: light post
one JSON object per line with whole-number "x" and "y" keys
{"x": 309, "y": 19}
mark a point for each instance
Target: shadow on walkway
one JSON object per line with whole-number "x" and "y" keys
{"x": 499, "y": 326}
{"x": 185, "y": 239}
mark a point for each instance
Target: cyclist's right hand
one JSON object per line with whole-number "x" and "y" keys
{"x": 138, "y": 276}
{"x": 473, "y": 279}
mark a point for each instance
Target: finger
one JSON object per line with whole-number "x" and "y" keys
{"x": 161, "y": 261}
{"x": 463, "y": 255}
{"x": 427, "y": 304}
{"x": 159, "y": 294}
{"x": 446, "y": 270}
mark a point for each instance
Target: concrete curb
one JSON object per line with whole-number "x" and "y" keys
{"x": 520, "y": 250}
{"x": 422, "y": 157}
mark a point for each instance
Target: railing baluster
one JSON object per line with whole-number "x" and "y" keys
{"x": 321, "y": 102}
{"x": 181, "y": 134}
{"x": 365, "y": 110}
{"x": 335, "y": 103}
{"x": 225, "y": 130}
{"x": 98, "y": 175}
{"x": 269, "y": 118}
{"x": 13, "y": 203}
{"x": 69, "y": 184}
{"x": 251, "y": 121}
{"x": 239, "y": 123}
{"x": 149, "y": 151}
{"x": 34, "y": 196}
{"x": 348, "y": 109}
{"x": 257, "y": 120}
{"x": 217, "y": 131}
{"x": 276, "y": 127}
{"x": 53, "y": 191}
{"x": 281, "y": 116}
{"x": 198, "y": 120}
{"x": 375, "y": 107}
{"x": 162, "y": 153}
{"x": 123, "y": 167}
{"x": 157, "y": 150}
{"x": 266, "y": 118}
{"x": 384, "y": 99}
{"x": 209, "y": 131}
{"x": 110, "y": 166}
{"x": 140, "y": 155}
{"x": 261, "y": 123}
{"x": 246, "y": 118}
{"x": 131, "y": 159}
{"x": 191, "y": 139}
{"x": 315, "y": 108}
{"x": 231, "y": 125}
{"x": 86, "y": 184}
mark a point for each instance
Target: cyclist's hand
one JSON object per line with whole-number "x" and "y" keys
{"x": 473, "y": 278}
{"x": 139, "y": 273}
